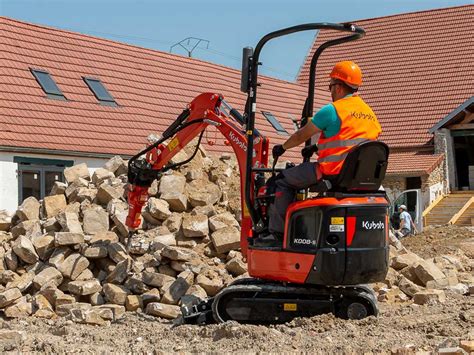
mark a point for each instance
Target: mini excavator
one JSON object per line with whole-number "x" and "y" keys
{"x": 334, "y": 244}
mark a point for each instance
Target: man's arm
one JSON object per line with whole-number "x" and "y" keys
{"x": 301, "y": 135}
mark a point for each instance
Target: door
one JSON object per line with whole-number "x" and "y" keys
{"x": 411, "y": 199}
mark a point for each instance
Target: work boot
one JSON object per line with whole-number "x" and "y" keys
{"x": 269, "y": 240}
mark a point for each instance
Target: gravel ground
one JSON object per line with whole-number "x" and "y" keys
{"x": 399, "y": 329}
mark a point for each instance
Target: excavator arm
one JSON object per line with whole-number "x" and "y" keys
{"x": 205, "y": 110}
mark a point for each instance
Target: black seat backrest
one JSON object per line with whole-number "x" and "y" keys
{"x": 364, "y": 168}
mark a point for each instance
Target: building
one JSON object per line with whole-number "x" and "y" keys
{"x": 419, "y": 79}
{"x": 68, "y": 98}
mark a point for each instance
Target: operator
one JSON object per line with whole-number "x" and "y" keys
{"x": 406, "y": 223}
{"x": 344, "y": 123}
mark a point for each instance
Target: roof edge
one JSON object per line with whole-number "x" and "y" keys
{"x": 452, "y": 114}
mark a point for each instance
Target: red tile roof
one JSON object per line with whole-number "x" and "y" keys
{"x": 413, "y": 163}
{"x": 417, "y": 68}
{"x": 151, "y": 88}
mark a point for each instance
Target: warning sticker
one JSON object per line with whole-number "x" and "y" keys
{"x": 337, "y": 220}
{"x": 173, "y": 144}
{"x": 336, "y": 228}
{"x": 289, "y": 307}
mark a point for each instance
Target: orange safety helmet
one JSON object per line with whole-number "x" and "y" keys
{"x": 349, "y": 72}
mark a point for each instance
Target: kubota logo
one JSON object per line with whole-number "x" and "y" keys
{"x": 373, "y": 225}
{"x": 237, "y": 141}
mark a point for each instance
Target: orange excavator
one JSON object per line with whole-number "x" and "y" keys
{"x": 334, "y": 244}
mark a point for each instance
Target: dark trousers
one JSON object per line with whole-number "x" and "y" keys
{"x": 298, "y": 177}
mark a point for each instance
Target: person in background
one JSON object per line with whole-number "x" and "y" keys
{"x": 407, "y": 226}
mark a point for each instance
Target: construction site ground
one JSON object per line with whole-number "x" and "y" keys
{"x": 401, "y": 328}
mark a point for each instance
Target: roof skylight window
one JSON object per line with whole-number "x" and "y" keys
{"x": 47, "y": 84}
{"x": 100, "y": 91}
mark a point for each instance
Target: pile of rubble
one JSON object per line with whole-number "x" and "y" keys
{"x": 66, "y": 255}
{"x": 69, "y": 254}
{"x": 411, "y": 278}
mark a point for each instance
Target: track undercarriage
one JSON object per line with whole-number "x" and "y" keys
{"x": 258, "y": 301}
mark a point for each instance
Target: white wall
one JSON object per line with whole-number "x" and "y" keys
{"x": 9, "y": 174}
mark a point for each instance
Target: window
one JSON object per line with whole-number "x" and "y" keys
{"x": 100, "y": 91}
{"x": 36, "y": 177}
{"x": 47, "y": 84}
{"x": 274, "y": 122}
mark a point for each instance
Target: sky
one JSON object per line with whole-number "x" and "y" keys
{"x": 224, "y": 27}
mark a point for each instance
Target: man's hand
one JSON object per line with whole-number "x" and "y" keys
{"x": 278, "y": 151}
{"x": 308, "y": 151}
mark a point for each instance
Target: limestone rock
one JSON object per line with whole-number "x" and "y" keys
{"x": 120, "y": 272}
{"x": 119, "y": 221}
{"x": 77, "y": 171}
{"x": 25, "y": 250}
{"x": 27, "y": 229}
{"x": 100, "y": 175}
{"x": 117, "y": 310}
{"x": 59, "y": 255}
{"x": 65, "y": 309}
{"x": 211, "y": 286}
{"x": 158, "y": 209}
{"x": 73, "y": 266}
{"x": 150, "y": 296}
{"x": 177, "y": 253}
{"x": 156, "y": 279}
{"x": 107, "y": 193}
{"x": 202, "y": 192}
{"x": 9, "y": 296}
{"x": 404, "y": 260}
{"x": 115, "y": 294}
{"x": 83, "y": 288}
{"x": 11, "y": 260}
{"x": 95, "y": 221}
{"x": 177, "y": 202}
{"x": 29, "y": 209}
{"x": 44, "y": 245}
{"x": 104, "y": 238}
{"x": 163, "y": 310}
{"x": 428, "y": 271}
{"x": 68, "y": 238}
{"x": 173, "y": 292}
{"x": 222, "y": 220}
{"x": 408, "y": 287}
{"x": 226, "y": 239}
{"x": 236, "y": 267}
{"x": 43, "y": 308}
{"x": 195, "y": 225}
{"x": 116, "y": 165}
{"x": 173, "y": 222}
{"x": 429, "y": 297}
{"x": 59, "y": 188}
{"x": 48, "y": 275}
{"x": 5, "y": 220}
{"x": 69, "y": 222}
{"x": 96, "y": 251}
{"x": 20, "y": 309}
{"x": 132, "y": 303}
{"x": 53, "y": 205}
{"x": 117, "y": 252}
{"x": 172, "y": 183}
{"x": 23, "y": 282}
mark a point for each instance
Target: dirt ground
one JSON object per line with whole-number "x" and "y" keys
{"x": 399, "y": 329}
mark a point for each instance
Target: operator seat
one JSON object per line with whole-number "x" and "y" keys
{"x": 363, "y": 170}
